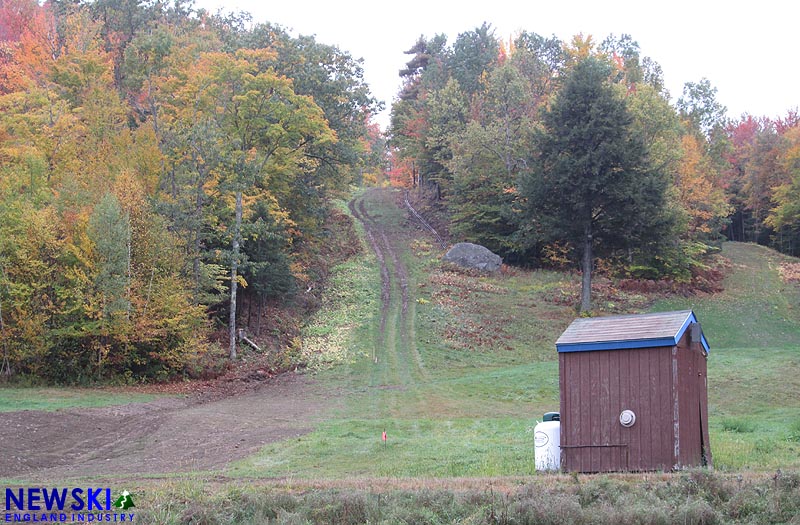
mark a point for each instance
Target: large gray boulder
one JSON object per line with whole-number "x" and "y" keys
{"x": 474, "y": 256}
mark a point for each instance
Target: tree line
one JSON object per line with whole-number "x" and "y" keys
{"x": 555, "y": 153}
{"x": 157, "y": 163}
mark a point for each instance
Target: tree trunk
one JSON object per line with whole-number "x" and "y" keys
{"x": 234, "y": 273}
{"x": 586, "y": 270}
{"x": 258, "y": 318}
{"x": 198, "y": 221}
{"x": 129, "y": 243}
{"x": 5, "y": 365}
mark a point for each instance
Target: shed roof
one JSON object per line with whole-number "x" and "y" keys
{"x": 627, "y": 331}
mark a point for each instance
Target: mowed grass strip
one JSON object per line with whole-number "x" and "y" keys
{"x": 13, "y": 399}
{"x": 413, "y": 448}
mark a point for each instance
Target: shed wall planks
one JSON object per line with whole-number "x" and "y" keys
{"x": 598, "y": 387}
{"x": 692, "y": 402}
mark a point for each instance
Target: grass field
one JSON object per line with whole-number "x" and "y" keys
{"x": 485, "y": 368}
{"x": 450, "y": 402}
{"x": 12, "y": 399}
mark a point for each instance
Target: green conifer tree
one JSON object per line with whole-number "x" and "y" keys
{"x": 593, "y": 185}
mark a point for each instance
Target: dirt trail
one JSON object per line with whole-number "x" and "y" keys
{"x": 360, "y": 213}
{"x": 388, "y": 237}
{"x": 200, "y": 433}
{"x": 163, "y": 436}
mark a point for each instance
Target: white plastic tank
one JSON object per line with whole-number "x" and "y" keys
{"x": 547, "y": 438}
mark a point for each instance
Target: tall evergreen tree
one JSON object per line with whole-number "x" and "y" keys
{"x": 593, "y": 185}
{"x": 110, "y": 229}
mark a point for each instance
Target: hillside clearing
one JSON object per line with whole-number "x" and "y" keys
{"x": 456, "y": 368}
{"x": 486, "y": 345}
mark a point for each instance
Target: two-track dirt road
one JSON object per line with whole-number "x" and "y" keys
{"x": 386, "y": 225}
{"x": 196, "y": 433}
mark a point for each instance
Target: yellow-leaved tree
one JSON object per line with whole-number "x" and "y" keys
{"x": 247, "y": 136}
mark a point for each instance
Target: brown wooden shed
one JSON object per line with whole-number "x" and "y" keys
{"x": 634, "y": 393}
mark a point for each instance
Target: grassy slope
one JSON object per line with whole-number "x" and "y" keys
{"x": 485, "y": 368}
{"x": 458, "y": 409}
{"x": 754, "y": 386}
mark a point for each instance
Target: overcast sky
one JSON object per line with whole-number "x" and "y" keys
{"x": 749, "y": 51}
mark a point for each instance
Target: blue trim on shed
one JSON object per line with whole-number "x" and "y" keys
{"x": 615, "y": 345}
{"x": 590, "y": 346}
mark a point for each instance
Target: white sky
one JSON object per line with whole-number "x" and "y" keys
{"x": 748, "y": 50}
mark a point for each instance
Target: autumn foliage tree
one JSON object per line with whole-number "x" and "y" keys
{"x": 154, "y": 159}
{"x": 263, "y": 131}
{"x": 463, "y": 129}
{"x": 784, "y": 217}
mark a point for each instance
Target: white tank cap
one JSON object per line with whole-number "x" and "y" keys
{"x": 627, "y": 418}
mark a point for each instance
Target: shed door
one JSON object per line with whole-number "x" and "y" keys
{"x": 595, "y": 388}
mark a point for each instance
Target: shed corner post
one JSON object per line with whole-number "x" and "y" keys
{"x": 676, "y": 425}
{"x": 562, "y": 408}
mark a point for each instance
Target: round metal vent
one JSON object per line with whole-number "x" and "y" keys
{"x": 627, "y": 418}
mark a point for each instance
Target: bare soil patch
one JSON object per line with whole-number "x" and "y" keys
{"x": 202, "y": 431}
